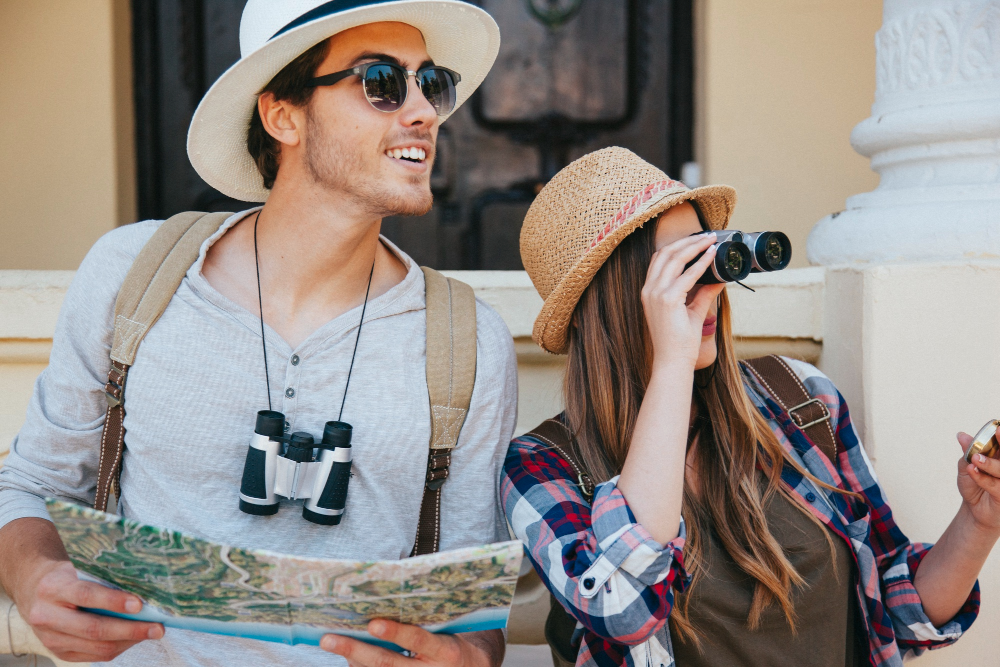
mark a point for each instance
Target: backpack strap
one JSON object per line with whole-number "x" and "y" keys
{"x": 149, "y": 286}
{"x": 560, "y": 625}
{"x": 451, "y": 376}
{"x": 809, "y": 414}
{"x": 557, "y": 436}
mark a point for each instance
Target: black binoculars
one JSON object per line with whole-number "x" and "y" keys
{"x": 739, "y": 254}
{"x": 296, "y": 467}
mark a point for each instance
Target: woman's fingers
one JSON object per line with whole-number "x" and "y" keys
{"x": 987, "y": 481}
{"x": 703, "y": 300}
{"x": 690, "y": 276}
{"x": 964, "y": 441}
{"x": 668, "y": 262}
{"x": 986, "y": 465}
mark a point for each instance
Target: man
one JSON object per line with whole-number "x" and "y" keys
{"x": 332, "y": 156}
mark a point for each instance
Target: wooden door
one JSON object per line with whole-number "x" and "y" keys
{"x": 572, "y": 76}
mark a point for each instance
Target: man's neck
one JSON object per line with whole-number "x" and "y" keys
{"x": 315, "y": 252}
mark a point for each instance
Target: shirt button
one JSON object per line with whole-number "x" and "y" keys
{"x": 811, "y": 497}
{"x": 290, "y": 393}
{"x": 588, "y": 583}
{"x": 295, "y": 360}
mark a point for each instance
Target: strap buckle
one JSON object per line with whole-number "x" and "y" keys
{"x": 821, "y": 404}
{"x": 437, "y": 469}
{"x": 114, "y": 390}
{"x": 115, "y": 394}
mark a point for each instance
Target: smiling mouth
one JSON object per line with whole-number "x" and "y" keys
{"x": 415, "y": 155}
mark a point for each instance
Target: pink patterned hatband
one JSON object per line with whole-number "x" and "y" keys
{"x": 633, "y": 207}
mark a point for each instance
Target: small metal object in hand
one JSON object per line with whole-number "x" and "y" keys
{"x": 985, "y": 442}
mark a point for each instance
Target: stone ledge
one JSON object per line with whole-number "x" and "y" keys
{"x": 30, "y": 302}
{"x": 788, "y": 304}
{"x": 25, "y": 351}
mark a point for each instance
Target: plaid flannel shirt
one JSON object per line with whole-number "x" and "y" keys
{"x": 619, "y": 583}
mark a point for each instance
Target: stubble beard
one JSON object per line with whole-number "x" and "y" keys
{"x": 340, "y": 165}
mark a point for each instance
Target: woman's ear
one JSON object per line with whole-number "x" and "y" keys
{"x": 280, "y": 119}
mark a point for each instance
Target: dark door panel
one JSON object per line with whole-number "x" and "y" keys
{"x": 572, "y": 76}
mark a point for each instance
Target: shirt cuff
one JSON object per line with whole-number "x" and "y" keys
{"x": 16, "y": 504}
{"x": 625, "y": 545}
{"x": 904, "y": 604}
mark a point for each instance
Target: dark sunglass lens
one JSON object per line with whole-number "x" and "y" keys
{"x": 384, "y": 87}
{"x": 439, "y": 89}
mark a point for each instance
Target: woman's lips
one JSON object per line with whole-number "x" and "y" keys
{"x": 708, "y": 328}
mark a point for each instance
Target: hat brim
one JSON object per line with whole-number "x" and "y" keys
{"x": 716, "y": 203}
{"x": 458, "y": 35}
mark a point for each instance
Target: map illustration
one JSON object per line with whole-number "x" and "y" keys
{"x": 195, "y": 584}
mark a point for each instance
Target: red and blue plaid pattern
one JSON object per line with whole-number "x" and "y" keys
{"x": 619, "y": 583}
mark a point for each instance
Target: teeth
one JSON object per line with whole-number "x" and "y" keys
{"x": 409, "y": 153}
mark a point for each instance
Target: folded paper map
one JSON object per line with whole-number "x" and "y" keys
{"x": 195, "y": 584}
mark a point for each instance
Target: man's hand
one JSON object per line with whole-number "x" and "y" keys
{"x": 476, "y": 649}
{"x": 39, "y": 577}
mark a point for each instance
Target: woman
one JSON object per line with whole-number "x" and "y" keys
{"x": 718, "y": 532}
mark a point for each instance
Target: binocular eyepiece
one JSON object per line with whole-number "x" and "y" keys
{"x": 739, "y": 254}
{"x": 296, "y": 467}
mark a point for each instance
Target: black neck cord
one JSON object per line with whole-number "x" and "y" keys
{"x": 356, "y": 339}
{"x": 260, "y": 304}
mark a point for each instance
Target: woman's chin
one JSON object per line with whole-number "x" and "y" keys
{"x": 707, "y": 354}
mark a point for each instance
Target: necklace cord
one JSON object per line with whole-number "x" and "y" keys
{"x": 357, "y": 338}
{"x": 260, "y": 305}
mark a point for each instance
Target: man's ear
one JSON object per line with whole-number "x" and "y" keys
{"x": 280, "y": 119}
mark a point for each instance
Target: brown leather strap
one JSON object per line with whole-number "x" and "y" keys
{"x": 557, "y": 436}
{"x": 112, "y": 437}
{"x": 451, "y": 377}
{"x": 809, "y": 414}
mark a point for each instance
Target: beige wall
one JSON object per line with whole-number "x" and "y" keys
{"x": 781, "y": 83}
{"x": 67, "y": 167}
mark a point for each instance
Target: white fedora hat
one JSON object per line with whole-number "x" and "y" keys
{"x": 459, "y": 36}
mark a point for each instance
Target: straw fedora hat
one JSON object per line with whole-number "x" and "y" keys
{"x": 273, "y": 33}
{"x": 581, "y": 216}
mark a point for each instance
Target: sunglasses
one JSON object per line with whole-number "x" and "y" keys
{"x": 386, "y": 84}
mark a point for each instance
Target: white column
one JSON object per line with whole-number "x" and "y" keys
{"x": 933, "y": 136}
{"x": 911, "y": 331}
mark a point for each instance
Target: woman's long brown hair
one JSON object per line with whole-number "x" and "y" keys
{"x": 608, "y": 370}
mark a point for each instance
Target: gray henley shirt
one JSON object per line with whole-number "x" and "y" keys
{"x": 193, "y": 395}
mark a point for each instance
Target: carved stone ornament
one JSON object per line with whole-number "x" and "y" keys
{"x": 933, "y": 137}
{"x": 952, "y": 45}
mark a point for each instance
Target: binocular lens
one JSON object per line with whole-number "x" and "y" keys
{"x": 774, "y": 250}
{"x": 734, "y": 261}
{"x": 270, "y": 423}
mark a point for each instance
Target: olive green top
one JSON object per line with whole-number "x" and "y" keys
{"x": 825, "y": 605}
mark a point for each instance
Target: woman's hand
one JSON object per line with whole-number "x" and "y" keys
{"x": 674, "y": 305}
{"x": 979, "y": 484}
{"x": 949, "y": 570}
